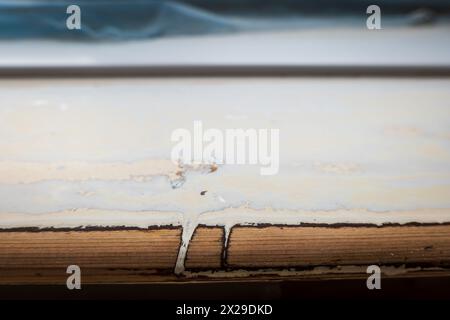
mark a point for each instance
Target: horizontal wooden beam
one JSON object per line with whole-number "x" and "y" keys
{"x": 253, "y": 253}
{"x": 281, "y": 247}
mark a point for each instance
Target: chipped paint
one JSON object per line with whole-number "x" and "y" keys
{"x": 316, "y": 271}
{"x": 73, "y": 153}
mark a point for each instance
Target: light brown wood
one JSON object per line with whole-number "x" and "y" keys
{"x": 142, "y": 256}
{"x": 325, "y": 246}
{"x": 205, "y": 249}
{"x": 103, "y": 256}
{"x": 155, "y": 249}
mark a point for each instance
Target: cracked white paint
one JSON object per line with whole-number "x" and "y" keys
{"x": 351, "y": 151}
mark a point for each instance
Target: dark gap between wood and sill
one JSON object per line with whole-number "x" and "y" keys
{"x": 184, "y": 71}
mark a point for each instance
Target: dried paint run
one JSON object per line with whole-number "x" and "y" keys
{"x": 83, "y": 153}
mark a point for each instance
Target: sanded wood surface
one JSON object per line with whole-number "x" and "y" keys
{"x": 205, "y": 249}
{"x": 139, "y": 256}
{"x": 325, "y": 246}
{"x": 103, "y": 256}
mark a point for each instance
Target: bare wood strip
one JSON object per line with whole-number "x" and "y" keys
{"x": 321, "y": 246}
{"x": 103, "y": 256}
{"x": 205, "y": 250}
{"x": 140, "y": 256}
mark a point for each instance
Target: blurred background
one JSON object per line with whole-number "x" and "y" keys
{"x": 288, "y": 32}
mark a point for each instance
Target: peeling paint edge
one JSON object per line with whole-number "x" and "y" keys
{"x": 387, "y": 270}
{"x": 227, "y": 218}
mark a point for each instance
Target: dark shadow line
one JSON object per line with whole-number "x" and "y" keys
{"x": 171, "y": 71}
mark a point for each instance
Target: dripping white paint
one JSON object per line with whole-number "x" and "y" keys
{"x": 230, "y": 146}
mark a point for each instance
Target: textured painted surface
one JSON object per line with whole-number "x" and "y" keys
{"x": 97, "y": 152}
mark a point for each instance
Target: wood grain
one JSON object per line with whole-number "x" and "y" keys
{"x": 205, "y": 249}
{"x": 109, "y": 256}
{"x": 143, "y": 256}
{"x": 325, "y": 246}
